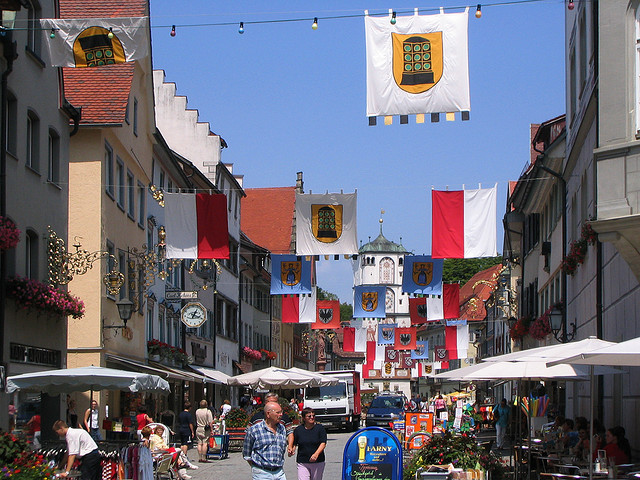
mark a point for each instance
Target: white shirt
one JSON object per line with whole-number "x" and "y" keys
{"x": 79, "y": 442}
{"x": 226, "y": 408}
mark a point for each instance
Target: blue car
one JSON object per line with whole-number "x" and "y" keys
{"x": 385, "y": 409}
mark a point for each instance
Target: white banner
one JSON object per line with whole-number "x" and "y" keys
{"x": 94, "y": 42}
{"x": 326, "y": 224}
{"x": 418, "y": 65}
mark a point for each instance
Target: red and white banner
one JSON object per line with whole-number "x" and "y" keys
{"x": 196, "y": 225}
{"x": 349, "y": 339}
{"x": 433, "y": 308}
{"x": 463, "y": 223}
{"x": 299, "y": 308}
{"x": 456, "y": 341}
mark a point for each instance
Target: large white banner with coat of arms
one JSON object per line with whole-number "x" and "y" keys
{"x": 419, "y": 65}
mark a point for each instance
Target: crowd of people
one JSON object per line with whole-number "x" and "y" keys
{"x": 571, "y": 437}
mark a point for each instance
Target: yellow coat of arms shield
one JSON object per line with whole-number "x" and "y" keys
{"x": 369, "y": 301}
{"x": 290, "y": 272}
{"x": 422, "y": 273}
{"x": 417, "y": 60}
{"x": 326, "y": 222}
{"x": 94, "y": 48}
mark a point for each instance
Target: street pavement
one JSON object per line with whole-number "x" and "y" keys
{"x": 235, "y": 467}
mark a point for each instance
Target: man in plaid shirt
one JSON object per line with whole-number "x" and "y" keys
{"x": 265, "y": 444}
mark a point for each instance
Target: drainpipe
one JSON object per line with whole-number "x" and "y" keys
{"x": 9, "y": 50}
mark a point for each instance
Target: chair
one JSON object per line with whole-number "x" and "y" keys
{"x": 164, "y": 467}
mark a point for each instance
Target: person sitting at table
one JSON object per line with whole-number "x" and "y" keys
{"x": 581, "y": 449}
{"x": 617, "y": 448}
{"x": 570, "y": 436}
{"x": 157, "y": 444}
{"x": 145, "y": 433}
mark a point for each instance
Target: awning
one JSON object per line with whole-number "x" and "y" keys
{"x": 215, "y": 375}
{"x": 191, "y": 376}
{"x": 143, "y": 367}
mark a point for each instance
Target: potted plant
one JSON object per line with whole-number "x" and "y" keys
{"x": 236, "y": 422}
{"x": 32, "y": 294}
{"x": 154, "y": 347}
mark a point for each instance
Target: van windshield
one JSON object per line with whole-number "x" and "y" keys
{"x": 387, "y": 402}
{"x": 330, "y": 391}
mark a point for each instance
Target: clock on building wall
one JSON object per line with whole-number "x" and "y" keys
{"x": 388, "y": 301}
{"x": 193, "y": 314}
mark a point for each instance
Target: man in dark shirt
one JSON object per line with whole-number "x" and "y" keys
{"x": 285, "y": 419}
{"x": 185, "y": 427}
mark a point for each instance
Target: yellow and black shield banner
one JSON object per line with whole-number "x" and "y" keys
{"x": 94, "y": 48}
{"x": 417, "y": 60}
{"x": 422, "y": 273}
{"x": 326, "y": 222}
{"x": 369, "y": 301}
{"x": 290, "y": 272}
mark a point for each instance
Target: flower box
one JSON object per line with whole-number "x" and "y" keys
{"x": 29, "y": 293}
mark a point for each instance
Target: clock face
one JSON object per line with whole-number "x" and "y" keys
{"x": 193, "y": 315}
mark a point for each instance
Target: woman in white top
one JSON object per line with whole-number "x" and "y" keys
{"x": 225, "y": 408}
{"x": 92, "y": 422}
{"x": 204, "y": 418}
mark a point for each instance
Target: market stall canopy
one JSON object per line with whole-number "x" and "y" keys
{"x": 550, "y": 353}
{"x": 526, "y": 370}
{"x": 83, "y": 379}
{"x": 618, "y": 354}
{"x": 273, "y": 377}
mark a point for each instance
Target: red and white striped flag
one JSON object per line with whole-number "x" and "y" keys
{"x": 436, "y": 307}
{"x": 299, "y": 308}
{"x": 463, "y": 223}
{"x": 456, "y": 339}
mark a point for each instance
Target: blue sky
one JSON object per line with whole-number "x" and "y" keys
{"x": 287, "y": 98}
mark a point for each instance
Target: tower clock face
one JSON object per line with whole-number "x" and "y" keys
{"x": 193, "y": 314}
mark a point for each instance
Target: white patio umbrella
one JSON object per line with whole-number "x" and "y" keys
{"x": 318, "y": 377}
{"x": 83, "y": 379}
{"x": 552, "y": 352}
{"x": 625, "y": 353}
{"x": 273, "y": 377}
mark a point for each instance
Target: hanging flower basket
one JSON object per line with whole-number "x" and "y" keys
{"x": 578, "y": 250}
{"x": 520, "y": 328}
{"x": 251, "y": 353}
{"x": 268, "y": 355}
{"x": 9, "y": 234}
{"x": 29, "y": 293}
{"x": 540, "y": 327}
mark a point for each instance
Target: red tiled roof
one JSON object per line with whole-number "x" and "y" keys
{"x": 267, "y": 217}
{"x": 103, "y": 8}
{"x": 476, "y": 291}
{"x": 101, "y": 92}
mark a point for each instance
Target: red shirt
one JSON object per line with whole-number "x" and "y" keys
{"x": 35, "y": 424}
{"x": 142, "y": 420}
{"x": 614, "y": 451}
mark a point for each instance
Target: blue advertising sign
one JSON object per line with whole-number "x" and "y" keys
{"x": 372, "y": 453}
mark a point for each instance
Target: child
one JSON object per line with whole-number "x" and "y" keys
{"x": 145, "y": 433}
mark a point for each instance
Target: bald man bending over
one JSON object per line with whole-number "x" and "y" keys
{"x": 265, "y": 444}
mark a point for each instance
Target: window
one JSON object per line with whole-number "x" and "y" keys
{"x": 126, "y": 113}
{"x": 161, "y": 315}
{"x": 31, "y": 254}
{"x": 33, "y": 141}
{"x": 219, "y": 317}
{"x": 161, "y": 180}
{"x": 386, "y": 270}
{"x": 120, "y": 182}
{"x": 53, "y": 174}
{"x": 149, "y": 323}
{"x": 141, "y": 204}
{"x": 131, "y": 194}
{"x": 135, "y": 116}
{"x": 34, "y": 32}
{"x": 11, "y": 124}
{"x": 108, "y": 167}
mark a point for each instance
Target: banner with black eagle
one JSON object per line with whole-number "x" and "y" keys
{"x": 328, "y": 315}
{"x": 290, "y": 274}
{"x": 369, "y": 301}
{"x": 417, "y": 65}
{"x": 326, "y": 224}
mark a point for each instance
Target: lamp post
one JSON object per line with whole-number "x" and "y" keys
{"x": 125, "y": 310}
{"x": 558, "y": 324}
